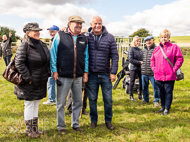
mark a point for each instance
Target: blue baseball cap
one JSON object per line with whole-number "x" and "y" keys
{"x": 148, "y": 38}
{"x": 54, "y": 28}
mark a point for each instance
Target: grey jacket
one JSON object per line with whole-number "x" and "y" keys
{"x": 145, "y": 68}
{"x": 5, "y": 48}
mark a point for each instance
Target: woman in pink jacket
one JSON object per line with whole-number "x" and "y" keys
{"x": 164, "y": 73}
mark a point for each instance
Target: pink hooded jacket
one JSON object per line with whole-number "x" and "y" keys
{"x": 163, "y": 71}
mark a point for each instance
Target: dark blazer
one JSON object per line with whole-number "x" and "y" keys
{"x": 32, "y": 69}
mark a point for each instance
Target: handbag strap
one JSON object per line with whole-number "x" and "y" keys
{"x": 166, "y": 57}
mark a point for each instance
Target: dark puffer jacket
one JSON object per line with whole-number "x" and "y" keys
{"x": 5, "y": 48}
{"x": 32, "y": 69}
{"x": 145, "y": 68}
{"x": 99, "y": 56}
{"x": 135, "y": 56}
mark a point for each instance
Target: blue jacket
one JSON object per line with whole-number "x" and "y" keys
{"x": 101, "y": 52}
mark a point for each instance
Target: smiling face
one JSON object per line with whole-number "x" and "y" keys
{"x": 164, "y": 38}
{"x": 52, "y": 33}
{"x": 137, "y": 43}
{"x": 75, "y": 27}
{"x": 96, "y": 25}
{"x": 34, "y": 34}
{"x": 4, "y": 37}
{"x": 149, "y": 42}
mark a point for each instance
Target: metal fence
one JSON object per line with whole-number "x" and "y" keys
{"x": 123, "y": 44}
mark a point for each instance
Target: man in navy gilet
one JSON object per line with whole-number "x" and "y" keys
{"x": 102, "y": 49}
{"x": 69, "y": 64}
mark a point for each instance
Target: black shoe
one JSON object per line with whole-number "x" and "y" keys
{"x": 109, "y": 125}
{"x": 62, "y": 131}
{"x": 144, "y": 102}
{"x": 93, "y": 125}
{"x": 166, "y": 112}
{"x": 132, "y": 99}
{"x": 84, "y": 112}
{"x": 161, "y": 110}
{"x": 78, "y": 129}
{"x": 139, "y": 96}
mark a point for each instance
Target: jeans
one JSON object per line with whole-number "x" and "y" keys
{"x": 51, "y": 89}
{"x": 75, "y": 84}
{"x": 7, "y": 59}
{"x": 94, "y": 80}
{"x": 69, "y": 100}
{"x": 166, "y": 92}
{"x": 145, "y": 88}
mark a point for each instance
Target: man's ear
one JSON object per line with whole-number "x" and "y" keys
{"x": 91, "y": 24}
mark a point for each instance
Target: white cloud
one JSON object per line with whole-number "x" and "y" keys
{"x": 173, "y": 16}
{"x": 48, "y": 13}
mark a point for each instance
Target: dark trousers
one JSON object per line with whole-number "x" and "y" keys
{"x": 69, "y": 101}
{"x": 166, "y": 92}
{"x": 132, "y": 80}
{"x": 7, "y": 59}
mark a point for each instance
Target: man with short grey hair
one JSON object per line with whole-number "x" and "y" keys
{"x": 69, "y": 64}
{"x": 147, "y": 73}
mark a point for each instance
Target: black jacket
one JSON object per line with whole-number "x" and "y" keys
{"x": 135, "y": 56}
{"x": 32, "y": 69}
{"x": 145, "y": 68}
{"x": 5, "y": 48}
{"x": 70, "y": 56}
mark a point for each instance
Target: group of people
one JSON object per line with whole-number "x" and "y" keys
{"x": 74, "y": 58}
{"x": 92, "y": 58}
{"x": 150, "y": 65}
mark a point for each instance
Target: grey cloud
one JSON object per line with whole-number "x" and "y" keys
{"x": 60, "y": 2}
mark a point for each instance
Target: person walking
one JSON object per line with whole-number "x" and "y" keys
{"x": 135, "y": 57}
{"x": 51, "y": 82}
{"x": 32, "y": 62}
{"x": 5, "y": 49}
{"x": 147, "y": 73}
{"x": 69, "y": 64}
{"x": 164, "y": 73}
{"x": 102, "y": 49}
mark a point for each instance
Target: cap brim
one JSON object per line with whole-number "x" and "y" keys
{"x": 78, "y": 21}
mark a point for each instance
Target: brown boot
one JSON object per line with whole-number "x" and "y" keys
{"x": 35, "y": 126}
{"x": 29, "y": 130}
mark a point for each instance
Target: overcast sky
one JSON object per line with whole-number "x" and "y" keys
{"x": 121, "y": 17}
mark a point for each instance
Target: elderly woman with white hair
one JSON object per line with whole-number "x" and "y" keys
{"x": 5, "y": 49}
{"x": 135, "y": 57}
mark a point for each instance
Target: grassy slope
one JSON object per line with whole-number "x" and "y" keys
{"x": 177, "y": 39}
{"x": 132, "y": 121}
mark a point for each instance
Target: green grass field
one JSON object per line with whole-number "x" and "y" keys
{"x": 133, "y": 122}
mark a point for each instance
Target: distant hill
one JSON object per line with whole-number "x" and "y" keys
{"x": 176, "y": 39}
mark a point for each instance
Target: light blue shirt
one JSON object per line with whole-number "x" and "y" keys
{"x": 53, "y": 54}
